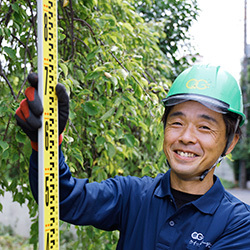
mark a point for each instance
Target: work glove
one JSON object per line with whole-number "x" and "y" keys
{"x": 28, "y": 114}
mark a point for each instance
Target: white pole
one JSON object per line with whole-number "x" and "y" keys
{"x": 48, "y": 134}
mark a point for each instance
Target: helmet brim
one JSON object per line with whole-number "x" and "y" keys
{"x": 209, "y": 102}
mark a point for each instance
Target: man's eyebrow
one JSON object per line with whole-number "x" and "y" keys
{"x": 177, "y": 113}
{"x": 203, "y": 116}
{"x": 209, "y": 118}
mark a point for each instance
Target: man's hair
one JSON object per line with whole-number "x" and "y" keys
{"x": 231, "y": 121}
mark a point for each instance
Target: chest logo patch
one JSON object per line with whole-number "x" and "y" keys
{"x": 198, "y": 239}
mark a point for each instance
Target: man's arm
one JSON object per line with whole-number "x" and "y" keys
{"x": 237, "y": 234}
{"x": 84, "y": 203}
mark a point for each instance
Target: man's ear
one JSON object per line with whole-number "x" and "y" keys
{"x": 233, "y": 144}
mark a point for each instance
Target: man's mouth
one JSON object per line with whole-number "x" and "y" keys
{"x": 186, "y": 154}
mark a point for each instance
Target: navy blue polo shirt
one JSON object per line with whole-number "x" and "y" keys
{"x": 144, "y": 211}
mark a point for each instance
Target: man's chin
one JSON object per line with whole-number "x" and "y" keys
{"x": 185, "y": 175}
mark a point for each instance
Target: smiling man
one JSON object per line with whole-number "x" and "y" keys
{"x": 185, "y": 208}
{"x": 194, "y": 140}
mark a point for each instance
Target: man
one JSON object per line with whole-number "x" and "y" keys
{"x": 185, "y": 208}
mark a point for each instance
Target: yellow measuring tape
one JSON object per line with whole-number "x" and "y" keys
{"x": 48, "y": 134}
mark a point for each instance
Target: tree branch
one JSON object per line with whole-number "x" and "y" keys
{"x": 89, "y": 27}
{"x": 112, "y": 54}
{"x": 7, "y": 127}
{"x": 72, "y": 29}
{"x": 7, "y": 81}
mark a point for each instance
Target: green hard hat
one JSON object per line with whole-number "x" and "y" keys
{"x": 209, "y": 85}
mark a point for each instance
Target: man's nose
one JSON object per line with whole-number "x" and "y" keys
{"x": 188, "y": 135}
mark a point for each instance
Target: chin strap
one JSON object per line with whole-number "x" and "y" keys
{"x": 204, "y": 174}
{"x": 229, "y": 141}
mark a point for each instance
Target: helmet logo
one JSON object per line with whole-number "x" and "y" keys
{"x": 197, "y": 84}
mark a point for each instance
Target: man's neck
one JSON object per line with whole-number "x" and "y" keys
{"x": 182, "y": 198}
{"x": 196, "y": 187}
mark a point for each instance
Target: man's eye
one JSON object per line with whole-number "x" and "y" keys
{"x": 177, "y": 123}
{"x": 205, "y": 127}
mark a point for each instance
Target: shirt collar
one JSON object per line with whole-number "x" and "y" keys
{"x": 164, "y": 188}
{"x": 208, "y": 203}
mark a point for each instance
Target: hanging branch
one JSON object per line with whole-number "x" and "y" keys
{"x": 21, "y": 89}
{"x": 33, "y": 21}
{"x": 112, "y": 54}
{"x": 89, "y": 27}
{"x": 72, "y": 29}
{"x": 93, "y": 35}
{"x": 7, "y": 81}
{"x": 7, "y": 127}
{"x": 6, "y": 19}
{"x": 116, "y": 59}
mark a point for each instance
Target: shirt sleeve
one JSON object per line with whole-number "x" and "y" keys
{"x": 237, "y": 234}
{"x": 102, "y": 205}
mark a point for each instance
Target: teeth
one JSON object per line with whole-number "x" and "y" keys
{"x": 185, "y": 154}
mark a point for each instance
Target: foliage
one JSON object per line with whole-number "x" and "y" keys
{"x": 242, "y": 149}
{"x": 10, "y": 241}
{"x": 116, "y": 75}
{"x": 177, "y": 17}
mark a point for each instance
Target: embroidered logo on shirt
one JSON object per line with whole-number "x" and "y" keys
{"x": 198, "y": 239}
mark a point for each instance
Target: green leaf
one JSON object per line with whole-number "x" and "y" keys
{"x": 119, "y": 112}
{"x": 11, "y": 52}
{"x": 128, "y": 26}
{"x": 86, "y": 92}
{"x": 123, "y": 73}
{"x": 20, "y": 137}
{"x": 100, "y": 69}
{"x": 15, "y": 7}
{"x": 110, "y": 18}
{"x": 108, "y": 114}
{"x": 78, "y": 155}
{"x": 119, "y": 133}
{"x": 129, "y": 140}
{"x": 143, "y": 126}
{"x": 7, "y": 32}
{"x": 64, "y": 69}
{"x": 92, "y": 54}
{"x": 4, "y": 145}
{"x": 159, "y": 143}
{"x": 61, "y": 35}
{"x": 92, "y": 130}
{"x": 91, "y": 107}
{"x": 111, "y": 150}
{"x": 113, "y": 38}
{"x": 100, "y": 141}
{"x": 146, "y": 170}
{"x": 93, "y": 75}
{"x": 114, "y": 80}
{"x": 19, "y": 197}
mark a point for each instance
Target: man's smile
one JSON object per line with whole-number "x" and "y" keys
{"x": 185, "y": 154}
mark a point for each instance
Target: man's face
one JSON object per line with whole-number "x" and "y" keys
{"x": 194, "y": 139}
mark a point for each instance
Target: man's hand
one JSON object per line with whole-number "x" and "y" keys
{"x": 28, "y": 115}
